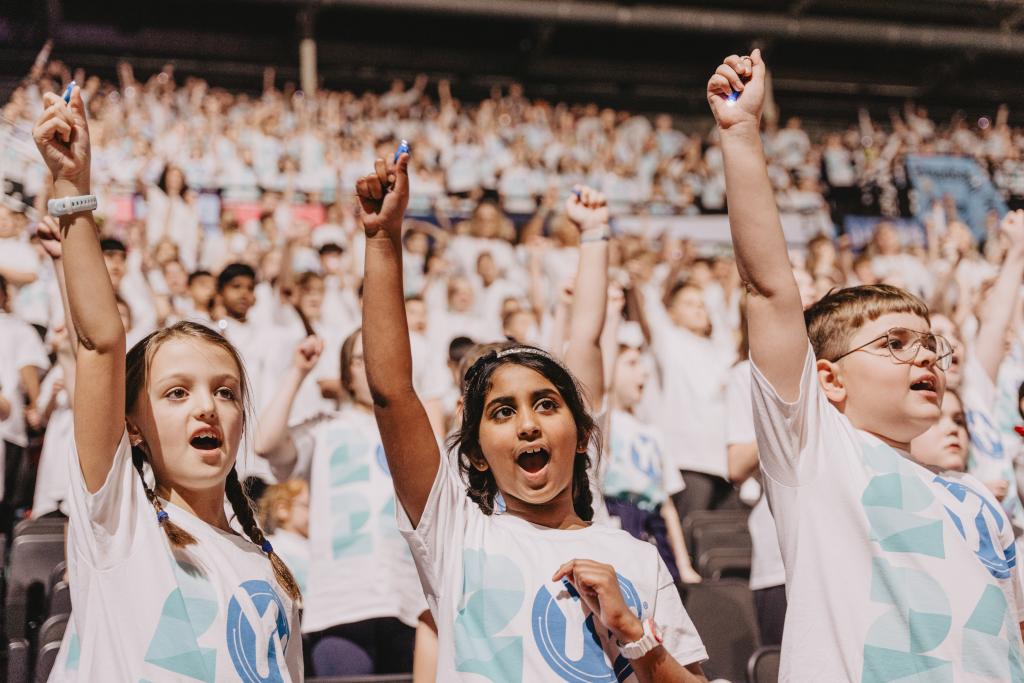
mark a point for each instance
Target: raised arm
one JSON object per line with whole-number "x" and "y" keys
{"x": 409, "y": 444}
{"x": 778, "y": 337}
{"x": 588, "y": 211}
{"x": 997, "y": 310}
{"x": 272, "y": 439}
{"x": 62, "y": 136}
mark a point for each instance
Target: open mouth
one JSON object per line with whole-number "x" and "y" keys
{"x": 205, "y": 441}
{"x": 924, "y": 384}
{"x": 533, "y": 460}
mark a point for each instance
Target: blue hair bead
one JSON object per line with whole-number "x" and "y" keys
{"x": 266, "y": 547}
{"x": 161, "y": 516}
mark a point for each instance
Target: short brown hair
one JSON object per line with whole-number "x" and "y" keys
{"x": 833, "y": 320}
{"x": 277, "y": 495}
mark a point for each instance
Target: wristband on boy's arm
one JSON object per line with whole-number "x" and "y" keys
{"x": 65, "y": 206}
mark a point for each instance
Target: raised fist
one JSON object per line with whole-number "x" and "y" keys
{"x": 62, "y": 136}
{"x": 586, "y": 208}
{"x": 383, "y": 196}
{"x": 744, "y": 75}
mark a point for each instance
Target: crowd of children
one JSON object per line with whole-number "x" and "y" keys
{"x": 479, "y": 452}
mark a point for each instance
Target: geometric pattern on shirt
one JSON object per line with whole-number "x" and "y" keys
{"x": 492, "y": 595}
{"x": 188, "y": 611}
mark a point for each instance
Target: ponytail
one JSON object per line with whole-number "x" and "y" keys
{"x": 242, "y": 507}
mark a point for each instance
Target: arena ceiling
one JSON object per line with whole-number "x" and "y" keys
{"x": 827, "y": 56}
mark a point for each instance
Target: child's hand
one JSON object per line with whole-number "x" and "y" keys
{"x": 599, "y": 590}
{"x": 48, "y": 233}
{"x": 308, "y": 353}
{"x": 1012, "y": 229}
{"x": 383, "y": 196}
{"x": 746, "y": 76}
{"x": 587, "y": 209}
{"x": 62, "y": 136}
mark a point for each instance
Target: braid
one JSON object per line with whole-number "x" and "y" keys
{"x": 242, "y": 507}
{"x": 582, "y": 496}
{"x": 178, "y": 537}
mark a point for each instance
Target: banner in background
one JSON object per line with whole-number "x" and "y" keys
{"x": 935, "y": 177}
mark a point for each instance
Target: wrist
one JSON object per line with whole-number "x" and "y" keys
{"x": 631, "y": 631}
{"x": 70, "y": 187}
{"x": 744, "y": 131}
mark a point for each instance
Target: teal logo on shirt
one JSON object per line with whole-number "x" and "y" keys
{"x": 257, "y": 633}
{"x": 492, "y": 594}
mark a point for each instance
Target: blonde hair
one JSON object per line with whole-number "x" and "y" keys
{"x": 137, "y": 364}
{"x": 835, "y": 318}
{"x": 276, "y": 495}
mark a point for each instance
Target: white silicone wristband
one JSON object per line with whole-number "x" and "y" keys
{"x": 69, "y": 205}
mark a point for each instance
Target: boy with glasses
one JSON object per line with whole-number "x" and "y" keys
{"x": 893, "y": 572}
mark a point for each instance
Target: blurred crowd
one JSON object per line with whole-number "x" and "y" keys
{"x": 505, "y": 271}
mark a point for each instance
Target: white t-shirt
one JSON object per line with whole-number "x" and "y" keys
{"x": 766, "y": 568}
{"x": 891, "y": 570}
{"x": 991, "y": 452}
{"x": 635, "y": 467}
{"x": 210, "y": 612}
{"x": 359, "y": 566}
{"x": 694, "y": 373}
{"x": 20, "y": 347}
{"x": 488, "y": 583}
{"x": 52, "y": 481}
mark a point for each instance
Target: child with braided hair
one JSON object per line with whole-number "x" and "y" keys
{"x": 530, "y": 590}
{"x": 164, "y": 587}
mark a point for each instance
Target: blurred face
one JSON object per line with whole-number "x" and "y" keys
{"x": 189, "y": 415}
{"x": 238, "y": 295}
{"x": 486, "y": 268}
{"x": 519, "y": 326}
{"x": 944, "y": 327}
{"x": 629, "y": 379}
{"x": 486, "y": 221}
{"x": 887, "y": 240}
{"x": 944, "y": 445}
{"x": 202, "y": 290}
{"x": 115, "y": 262}
{"x": 895, "y": 401}
{"x": 295, "y": 517}
{"x": 360, "y": 387}
{"x": 176, "y": 278}
{"x": 460, "y": 295}
{"x": 311, "y": 298}
{"x": 416, "y": 314}
{"x": 688, "y": 312}
{"x": 528, "y": 441}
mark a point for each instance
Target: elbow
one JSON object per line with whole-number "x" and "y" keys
{"x": 104, "y": 341}
{"x": 385, "y": 396}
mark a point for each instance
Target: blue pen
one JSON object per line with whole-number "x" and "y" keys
{"x": 403, "y": 148}
{"x": 731, "y": 99}
{"x": 67, "y": 93}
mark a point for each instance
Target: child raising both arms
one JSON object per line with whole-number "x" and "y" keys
{"x": 164, "y": 587}
{"x": 536, "y": 593}
{"x": 893, "y": 571}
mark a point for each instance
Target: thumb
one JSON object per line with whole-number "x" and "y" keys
{"x": 402, "y": 174}
{"x": 76, "y": 102}
{"x": 757, "y": 62}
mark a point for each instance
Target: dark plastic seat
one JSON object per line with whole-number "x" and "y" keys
{"x": 45, "y": 660}
{"x": 725, "y": 563}
{"x": 60, "y": 600}
{"x": 763, "y": 666}
{"x": 32, "y": 559}
{"x": 393, "y": 678}
{"x": 723, "y": 612}
{"x": 18, "y": 667}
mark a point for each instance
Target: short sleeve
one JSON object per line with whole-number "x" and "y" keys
{"x": 681, "y": 639}
{"x": 303, "y": 437}
{"x": 30, "y": 349}
{"x": 787, "y": 433}
{"x": 438, "y": 536}
{"x": 103, "y": 524}
{"x": 739, "y": 427}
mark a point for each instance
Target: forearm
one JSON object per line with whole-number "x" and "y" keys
{"x": 5, "y": 407}
{"x": 658, "y": 666}
{"x": 589, "y": 307}
{"x": 91, "y": 298}
{"x": 272, "y": 429}
{"x": 760, "y": 246}
{"x": 997, "y": 312}
{"x": 16, "y": 277}
{"x": 386, "y": 348}
{"x": 675, "y": 534}
{"x": 29, "y": 376}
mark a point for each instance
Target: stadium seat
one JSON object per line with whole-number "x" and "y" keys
{"x": 18, "y": 669}
{"x": 711, "y": 536}
{"x": 41, "y": 525}
{"x": 32, "y": 559}
{"x": 53, "y": 629}
{"x": 51, "y": 633}
{"x": 728, "y": 520}
{"x": 60, "y": 600}
{"x": 45, "y": 660}
{"x": 723, "y": 612}
{"x": 724, "y": 563}
{"x": 763, "y": 666}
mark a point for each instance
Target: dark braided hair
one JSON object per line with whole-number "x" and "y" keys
{"x": 137, "y": 365}
{"x": 482, "y": 487}
{"x": 246, "y": 516}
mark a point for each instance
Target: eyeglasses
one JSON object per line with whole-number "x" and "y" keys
{"x": 904, "y": 345}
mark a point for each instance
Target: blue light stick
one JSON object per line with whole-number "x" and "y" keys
{"x": 403, "y": 148}
{"x": 67, "y": 93}
{"x": 731, "y": 99}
